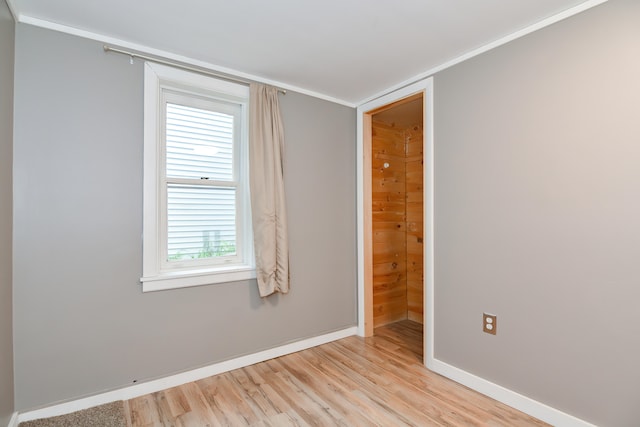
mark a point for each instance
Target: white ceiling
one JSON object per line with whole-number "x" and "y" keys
{"x": 350, "y": 50}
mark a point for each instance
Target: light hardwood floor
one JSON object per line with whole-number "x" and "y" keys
{"x": 377, "y": 381}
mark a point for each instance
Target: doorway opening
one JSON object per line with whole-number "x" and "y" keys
{"x": 397, "y": 230}
{"x": 401, "y": 98}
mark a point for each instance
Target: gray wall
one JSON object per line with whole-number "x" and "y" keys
{"x": 82, "y": 325}
{"x": 6, "y": 144}
{"x": 537, "y": 198}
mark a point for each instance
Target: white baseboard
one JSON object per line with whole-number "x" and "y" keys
{"x": 515, "y": 400}
{"x": 182, "y": 378}
{"x": 13, "y": 422}
{"x": 508, "y": 397}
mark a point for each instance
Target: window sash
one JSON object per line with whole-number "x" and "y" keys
{"x": 174, "y": 97}
{"x": 205, "y": 136}
{"x": 202, "y": 229}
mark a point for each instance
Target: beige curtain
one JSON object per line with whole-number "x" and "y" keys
{"x": 266, "y": 152}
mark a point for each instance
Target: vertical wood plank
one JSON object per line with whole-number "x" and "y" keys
{"x": 414, "y": 225}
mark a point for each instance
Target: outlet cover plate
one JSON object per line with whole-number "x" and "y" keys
{"x": 489, "y": 323}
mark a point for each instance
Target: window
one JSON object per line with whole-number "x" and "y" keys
{"x": 196, "y": 227}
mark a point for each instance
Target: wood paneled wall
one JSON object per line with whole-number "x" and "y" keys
{"x": 397, "y": 223}
{"x": 389, "y": 224}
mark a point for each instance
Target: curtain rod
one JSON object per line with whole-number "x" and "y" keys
{"x": 177, "y": 65}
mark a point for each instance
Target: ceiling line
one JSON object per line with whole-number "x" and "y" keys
{"x": 42, "y": 23}
{"x": 19, "y": 17}
{"x": 487, "y": 47}
{"x": 226, "y": 77}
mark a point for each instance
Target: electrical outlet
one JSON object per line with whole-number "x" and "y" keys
{"x": 489, "y": 323}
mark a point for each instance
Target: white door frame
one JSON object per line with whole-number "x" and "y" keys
{"x": 426, "y": 87}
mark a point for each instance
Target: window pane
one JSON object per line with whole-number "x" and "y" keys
{"x": 199, "y": 143}
{"x": 201, "y": 222}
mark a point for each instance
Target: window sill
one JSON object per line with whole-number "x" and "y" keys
{"x": 188, "y": 278}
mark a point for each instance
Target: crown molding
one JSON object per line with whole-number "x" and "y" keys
{"x": 37, "y": 22}
{"x": 489, "y": 46}
{"x": 25, "y": 19}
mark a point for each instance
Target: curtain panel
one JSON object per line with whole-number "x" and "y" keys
{"x": 266, "y": 152}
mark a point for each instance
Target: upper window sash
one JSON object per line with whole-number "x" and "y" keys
{"x": 215, "y": 123}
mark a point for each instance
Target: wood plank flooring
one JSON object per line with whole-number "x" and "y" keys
{"x": 377, "y": 381}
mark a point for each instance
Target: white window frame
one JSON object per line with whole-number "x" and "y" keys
{"x": 160, "y": 83}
